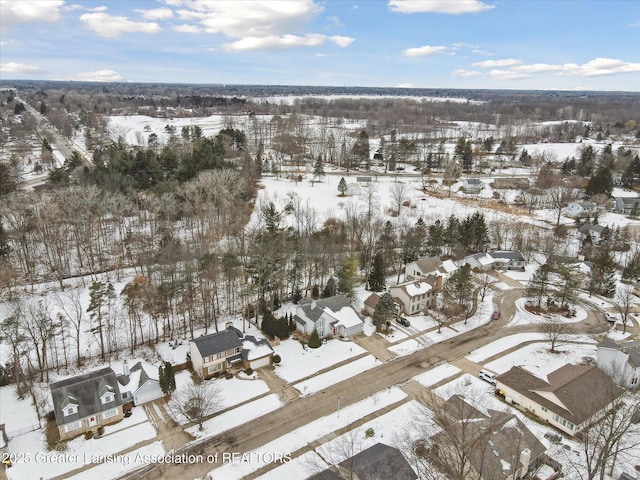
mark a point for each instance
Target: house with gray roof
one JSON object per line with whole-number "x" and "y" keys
{"x": 218, "y": 352}
{"x": 472, "y": 185}
{"x": 626, "y": 205}
{"x": 86, "y": 402}
{"x": 379, "y": 461}
{"x": 140, "y": 383}
{"x": 568, "y": 399}
{"x": 508, "y": 259}
{"x": 505, "y": 448}
{"x": 593, "y": 231}
{"x": 328, "y": 316}
{"x": 621, "y": 361}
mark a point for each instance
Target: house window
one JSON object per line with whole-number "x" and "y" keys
{"x": 544, "y": 409}
{"x": 110, "y": 413}
{"x": 70, "y": 410}
{"x": 72, "y": 426}
{"x": 108, "y": 398}
{"x": 634, "y": 381}
{"x": 213, "y": 368}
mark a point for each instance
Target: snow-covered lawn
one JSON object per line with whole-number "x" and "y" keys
{"x": 309, "y": 433}
{"x": 232, "y": 391}
{"x": 300, "y": 467}
{"x": 406, "y": 348}
{"x": 16, "y": 414}
{"x": 502, "y": 344}
{"x": 522, "y": 277}
{"x": 337, "y": 375}
{"x": 78, "y": 451}
{"x": 299, "y": 363}
{"x": 539, "y": 360}
{"x": 237, "y": 416}
{"x": 120, "y": 465}
{"x": 436, "y": 375}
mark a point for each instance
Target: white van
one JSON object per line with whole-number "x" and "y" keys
{"x": 488, "y": 376}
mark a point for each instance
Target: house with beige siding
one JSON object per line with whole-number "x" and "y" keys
{"x": 86, "y": 402}
{"x": 568, "y": 399}
{"x": 417, "y": 295}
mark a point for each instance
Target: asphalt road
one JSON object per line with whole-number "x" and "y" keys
{"x": 302, "y": 411}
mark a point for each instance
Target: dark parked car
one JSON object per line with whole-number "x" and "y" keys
{"x": 403, "y": 321}
{"x": 495, "y": 315}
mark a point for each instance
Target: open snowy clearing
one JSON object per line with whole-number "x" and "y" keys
{"x": 499, "y": 346}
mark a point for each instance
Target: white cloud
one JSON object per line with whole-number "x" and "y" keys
{"x": 257, "y": 24}
{"x": 466, "y": 73}
{"x": 405, "y": 85}
{"x": 14, "y": 67}
{"x": 600, "y": 66}
{"x": 254, "y": 18}
{"x": 285, "y": 41}
{"x": 19, "y": 11}
{"x": 186, "y": 28}
{"x": 424, "y": 50}
{"x": 593, "y": 68}
{"x": 109, "y": 26}
{"x": 341, "y": 41}
{"x": 454, "y": 7}
{"x": 507, "y": 62}
{"x": 507, "y": 75}
{"x": 104, "y": 75}
{"x": 156, "y": 13}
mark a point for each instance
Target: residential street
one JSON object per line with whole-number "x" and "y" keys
{"x": 299, "y": 412}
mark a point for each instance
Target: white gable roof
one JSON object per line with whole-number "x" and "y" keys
{"x": 347, "y": 317}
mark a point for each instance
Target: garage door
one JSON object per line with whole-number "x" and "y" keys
{"x": 261, "y": 362}
{"x": 144, "y": 397}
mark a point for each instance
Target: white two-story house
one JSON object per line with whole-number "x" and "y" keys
{"x": 621, "y": 361}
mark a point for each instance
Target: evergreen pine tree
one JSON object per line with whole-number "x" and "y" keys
{"x": 376, "y": 275}
{"x": 330, "y": 289}
{"x": 163, "y": 380}
{"x": 314, "y": 340}
{"x": 171, "y": 378}
{"x": 348, "y": 276}
{"x": 385, "y": 310}
{"x": 342, "y": 187}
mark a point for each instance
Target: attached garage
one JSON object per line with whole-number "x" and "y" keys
{"x": 256, "y": 353}
{"x": 141, "y": 384}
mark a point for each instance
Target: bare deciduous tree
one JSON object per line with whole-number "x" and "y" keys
{"x": 623, "y": 302}
{"x": 555, "y": 330}
{"x": 195, "y": 403}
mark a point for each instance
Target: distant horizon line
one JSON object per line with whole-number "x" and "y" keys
{"x": 283, "y": 85}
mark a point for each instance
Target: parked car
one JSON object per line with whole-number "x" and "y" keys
{"x": 488, "y": 376}
{"x": 403, "y": 321}
{"x": 495, "y": 315}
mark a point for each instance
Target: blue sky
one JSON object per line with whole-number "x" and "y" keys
{"x": 507, "y": 44}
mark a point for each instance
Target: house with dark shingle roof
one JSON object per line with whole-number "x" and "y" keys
{"x": 626, "y": 205}
{"x": 328, "y": 316}
{"x": 621, "y": 361}
{"x": 505, "y": 447}
{"x": 569, "y": 398}
{"x": 593, "y": 231}
{"x": 218, "y": 352}
{"x": 86, "y": 402}
{"x": 379, "y": 461}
